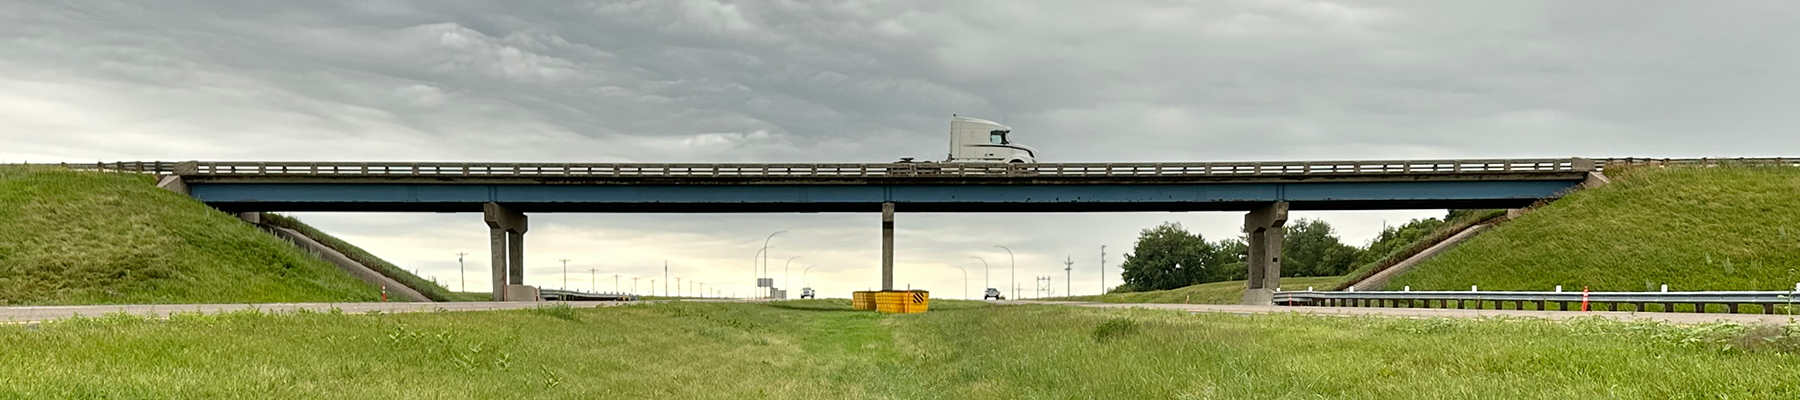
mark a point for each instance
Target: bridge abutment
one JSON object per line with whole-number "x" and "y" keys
{"x": 1264, "y": 226}
{"x": 506, "y": 234}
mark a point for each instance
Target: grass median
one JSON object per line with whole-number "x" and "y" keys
{"x": 819, "y": 349}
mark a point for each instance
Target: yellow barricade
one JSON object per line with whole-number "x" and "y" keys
{"x": 902, "y": 301}
{"x": 862, "y": 300}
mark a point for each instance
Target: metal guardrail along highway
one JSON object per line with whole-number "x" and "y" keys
{"x": 1767, "y": 299}
{"x": 906, "y": 169}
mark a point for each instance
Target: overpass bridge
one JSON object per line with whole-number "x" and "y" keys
{"x": 505, "y": 192}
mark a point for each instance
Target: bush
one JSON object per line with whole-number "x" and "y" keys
{"x": 1115, "y": 329}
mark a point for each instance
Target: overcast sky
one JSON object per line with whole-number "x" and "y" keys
{"x": 862, "y": 81}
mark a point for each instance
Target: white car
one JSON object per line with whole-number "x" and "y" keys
{"x": 807, "y": 293}
{"x": 992, "y": 293}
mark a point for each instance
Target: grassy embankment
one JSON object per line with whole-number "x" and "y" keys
{"x": 431, "y": 290}
{"x": 1723, "y": 228}
{"x": 815, "y": 349}
{"x": 110, "y": 238}
{"x": 1229, "y": 292}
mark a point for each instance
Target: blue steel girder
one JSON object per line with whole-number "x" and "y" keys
{"x": 430, "y": 197}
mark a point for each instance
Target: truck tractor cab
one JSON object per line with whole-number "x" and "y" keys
{"x": 992, "y": 293}
{"x": 806, "y": 293}
{"x": 979, "y": 140}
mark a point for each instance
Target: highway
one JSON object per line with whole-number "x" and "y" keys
{"x": 32, "y": 314}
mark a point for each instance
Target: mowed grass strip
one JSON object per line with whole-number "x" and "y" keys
{"x": 114, "y": 238}
{"x": 1228, "y": 292}
{"x": 1692, "y": 228}
{"x": 818, "y": 349}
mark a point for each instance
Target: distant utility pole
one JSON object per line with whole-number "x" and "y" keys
{"x": 1102, "y": 269}
{"x": 460, "y": 275}
{"x": 677, "y": 286}
{"x": 634, "y": 288}
{"x": 565, "y": 262}
{"x": 665, "y": 278}
{"x": 615, "y": 283}
{"x": 653, "y": 288}
{"x": 593, "y": 282}
{"x": 1068, "y": 271}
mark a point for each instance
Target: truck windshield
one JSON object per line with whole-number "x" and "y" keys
{"x": 998, "y": 137}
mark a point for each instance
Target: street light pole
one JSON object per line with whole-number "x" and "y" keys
{"x": 984, "y": 274}
{"x": 784, "y": 271}
{"x": 765, "y": 253}
{"x": 594, "y": 280}
{"x": 615, "y": 283}
{"x": 965, "y": 281}
{"x": 1015, "y": 270}
{"x": 1102, "y": 269}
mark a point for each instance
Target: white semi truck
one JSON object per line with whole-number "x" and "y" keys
{"x": 980, "y": 140}
{"x": 976, "y": 140}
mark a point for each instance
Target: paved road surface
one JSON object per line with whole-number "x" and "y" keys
{"x": 27, "y": 314}
{"x": 1679, "y": 318}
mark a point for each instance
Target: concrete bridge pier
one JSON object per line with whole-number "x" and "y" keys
{"x": 887, "y": 246}
{"x": 1264, "y": 226}
{"x": 506, "y": 233}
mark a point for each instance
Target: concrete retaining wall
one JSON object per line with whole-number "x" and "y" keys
{"x": 396, "y": 290}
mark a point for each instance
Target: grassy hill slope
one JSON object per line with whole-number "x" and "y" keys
{"x": 1693, "y": 228}
{"x": 1228, "y": 292}
{"x": 107, "y": 238}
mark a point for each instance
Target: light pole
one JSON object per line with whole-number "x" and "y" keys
{"x": 460, "y": 274}
{"x": 784, "y": 271}
{"x": 1103, "y": 269}
{"x": 984, "y": 274}
{"x": 1014, "y": 268}
{"x": 593, "y": 280}
{"x": 1069, "y": 276}
{"x": 965, "y": 282}
{"x": 677, "y": 286}
{"x": 803, "y": 281}
{"x": 615, "y": 283}
{"x": 634, "y": 288}
{"x": 565, "y": 262}
{"x": 765, "y": 253}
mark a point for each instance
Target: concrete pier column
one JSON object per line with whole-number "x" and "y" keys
{"x": 1264, "y": 226}
{"x": 506, "y": 234}
{"x": 497, "y": 248}
{"x": 887, "y": 246}
{"x": 515, "y": 258}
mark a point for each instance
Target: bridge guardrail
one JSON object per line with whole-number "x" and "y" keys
{"x": 908, "y": 169}
{"x": 1768, "y": 300}
{"x": 828, "y": 170}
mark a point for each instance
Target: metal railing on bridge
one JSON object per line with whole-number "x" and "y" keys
{"x": 898, "y": 169}
{"x": 1730, "y": 301}
{"x": 908, "y": 169}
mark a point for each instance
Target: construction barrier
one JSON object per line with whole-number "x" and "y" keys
{"x": 902, "y": 301}
{"x": 862, "y": 300}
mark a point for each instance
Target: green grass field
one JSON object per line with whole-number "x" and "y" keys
{"x": 426, "y": 287}
{"x": 1724, "y": 228}
{"x": 99, "y": 238}
{"x": 816, "y": 349}
{"x": 1229, "y": 292}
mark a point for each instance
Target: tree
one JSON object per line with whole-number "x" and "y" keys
{"x": 1168, "y": 257}
{"x": 1398, "y": 238}
{"x": 1311, "y": 248}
